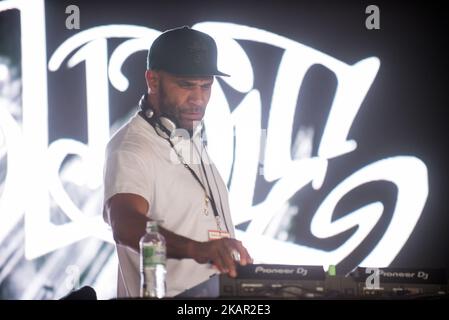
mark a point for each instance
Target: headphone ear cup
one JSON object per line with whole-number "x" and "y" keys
{"x": 149, "y": 113}
{"x": 167, "y": 124}
{"x": 143, "y": 106}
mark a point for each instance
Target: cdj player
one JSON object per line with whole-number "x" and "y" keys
{"x": 293, "y": 281}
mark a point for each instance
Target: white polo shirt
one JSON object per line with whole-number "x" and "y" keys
{"x": 140, "y": 161}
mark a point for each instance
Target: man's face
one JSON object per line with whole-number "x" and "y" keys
{"x": 184, "y": 98}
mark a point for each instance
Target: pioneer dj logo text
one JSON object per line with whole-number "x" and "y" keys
{"x": 404, "y": 275}
{"x": 301, "y": 271}
{"x": 373, "y": 281}
{"x": 239, "y": 156}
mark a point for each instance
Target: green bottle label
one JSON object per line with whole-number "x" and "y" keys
{"x": 153, "y": 255}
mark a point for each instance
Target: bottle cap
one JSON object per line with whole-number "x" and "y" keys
{"x": 332, "y": 271}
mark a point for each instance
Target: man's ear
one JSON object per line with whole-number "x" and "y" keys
{"x": 152, "y": 78}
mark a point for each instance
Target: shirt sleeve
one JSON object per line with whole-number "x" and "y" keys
{"x": 126, "y": 172}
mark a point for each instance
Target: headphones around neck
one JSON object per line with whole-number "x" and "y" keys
{"x": 164, "y": 122}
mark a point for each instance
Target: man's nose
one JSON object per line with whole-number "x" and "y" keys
{"x": 197, "y": 96}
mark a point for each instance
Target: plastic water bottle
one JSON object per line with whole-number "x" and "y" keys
{"x": 152, "y": 263}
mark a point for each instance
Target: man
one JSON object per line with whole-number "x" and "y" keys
{"x": 147, "y": 175}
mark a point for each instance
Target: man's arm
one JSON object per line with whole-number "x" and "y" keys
{"x": 127, "y": 216}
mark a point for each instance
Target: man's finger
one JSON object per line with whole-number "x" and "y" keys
{"x": 226, "y": 253}
{"x": 219, "y": 263}
{"x": 244, "y": 256}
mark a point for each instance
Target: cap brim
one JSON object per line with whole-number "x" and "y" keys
{"x": 221, "y": 74}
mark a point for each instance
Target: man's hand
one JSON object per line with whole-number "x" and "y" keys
{"x": 127, "y": 215}
{"x": 221, "y": 253}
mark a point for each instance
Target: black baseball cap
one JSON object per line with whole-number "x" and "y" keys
{"x": 184, "y": 51}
